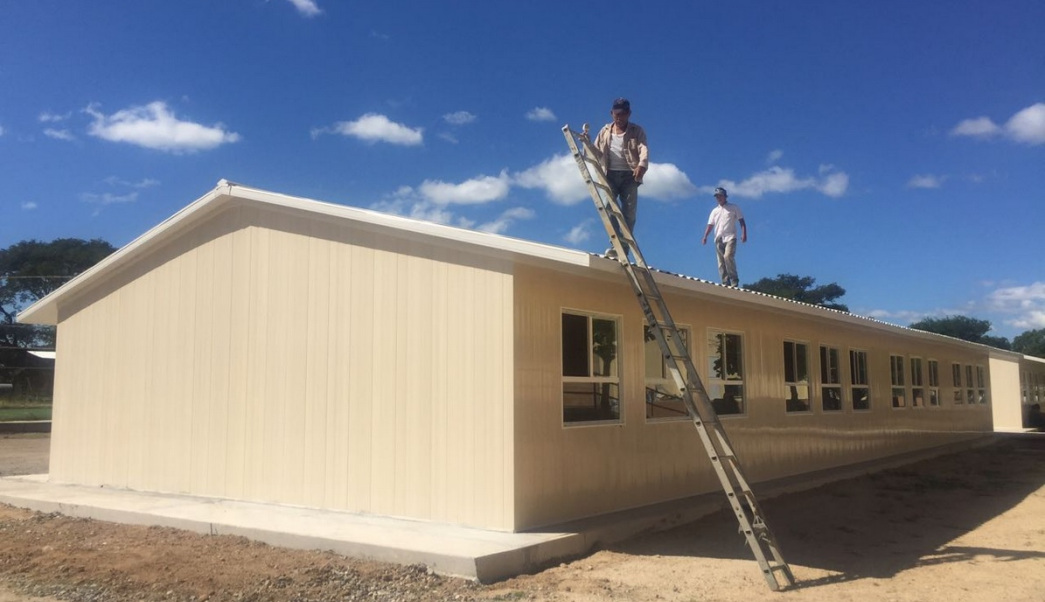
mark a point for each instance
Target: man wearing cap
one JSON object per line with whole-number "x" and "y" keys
{"x": 622, "y": 150}
{"x": 724, "y": 219}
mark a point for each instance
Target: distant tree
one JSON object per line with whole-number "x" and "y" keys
{"x": 1031, "y": 342}
{"x": 31, "y": 269}
{"x": 962, "y": 327}
{"x": 800, "y": 288}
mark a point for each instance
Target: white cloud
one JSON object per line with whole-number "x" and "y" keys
{"x": 926, "y": 181}
{"x": 470, "y": 192}
{"x": 459, "y": 118}
{"x": 408, "y": 203}
{"x": 307, "y": 8}
{"x": 1025, "y": 305}
{"x": 540, "y": 114}
{"x": 774, "y": 156}
{"x": 46, "y": 117}
{"x": 155, "y": 126}
{"x": 1028, "y": 125}
{"x": 558, "y": 177}
{"x": 783, "y": 180}
{"x": 28, "y": 206}
{"x": 373, "y": 127}
{"x": 59, "y": 134}
{"x": 562, "y": 182}
{"x": 143, "y": 183}
{"x": 832, "y": 183}
{"x": 665, "y": 181}
{"x": 107, "y": 198}
{"x": 506, "y": 219}
{"x": 980, "y": 127}
{"x": 579, "y": 234}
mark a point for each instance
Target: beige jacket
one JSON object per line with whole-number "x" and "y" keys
{"x": 635, "y": 150}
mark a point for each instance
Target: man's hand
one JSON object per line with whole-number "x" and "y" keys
{"x": 638, "y": 173}
{"x": 704, "y": 240}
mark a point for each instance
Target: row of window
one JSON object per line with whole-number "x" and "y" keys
{"x": 591, "y": 375}
{"x": 1033, "y": 387}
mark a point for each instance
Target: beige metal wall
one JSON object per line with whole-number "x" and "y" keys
{"x": 566, "y": 472}
{"x": 272, "y": 356}
{"x": 1007, "y": 412}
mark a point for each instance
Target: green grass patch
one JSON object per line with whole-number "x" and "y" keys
{"x": 37, "y": 412}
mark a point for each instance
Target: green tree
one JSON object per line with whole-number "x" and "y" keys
{"x": 30, "y": 270}
{"x": 1031, "y": 342}
{"x": 964, "y": 328}
{"x": 800, "y": 288}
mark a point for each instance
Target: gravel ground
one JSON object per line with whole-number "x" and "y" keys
{"x": 967, "y": 526}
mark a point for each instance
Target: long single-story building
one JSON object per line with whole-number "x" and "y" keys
{"x": 262, "y": 347}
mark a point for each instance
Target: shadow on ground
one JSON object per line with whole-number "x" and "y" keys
{"x": 878, "y": 525}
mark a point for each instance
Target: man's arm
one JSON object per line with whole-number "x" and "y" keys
{"x": 643, "y": 166}
{"x": 743, "y": 230}
{"x": 707, "y": 231}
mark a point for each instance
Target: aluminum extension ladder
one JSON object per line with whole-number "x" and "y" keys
{"x": 752, "y": 524}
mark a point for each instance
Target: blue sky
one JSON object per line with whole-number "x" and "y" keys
{"x": 896, "y": 148}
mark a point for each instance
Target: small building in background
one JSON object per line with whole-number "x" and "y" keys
{"x": 257, "y": 346}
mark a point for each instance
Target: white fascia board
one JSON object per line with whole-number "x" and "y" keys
{"x": 45, "y": 310}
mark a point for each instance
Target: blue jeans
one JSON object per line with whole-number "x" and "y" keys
{"x": 625, "y": 191}
{"x": 727, "y": 263}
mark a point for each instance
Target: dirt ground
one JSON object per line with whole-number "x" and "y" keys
{"x": 968, "y": 526}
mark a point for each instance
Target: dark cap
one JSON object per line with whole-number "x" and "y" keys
{"x": 721, "y": 191}
{"x": 622, "y": 104}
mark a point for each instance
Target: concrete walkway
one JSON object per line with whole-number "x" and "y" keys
{"x": 450, "y": 550}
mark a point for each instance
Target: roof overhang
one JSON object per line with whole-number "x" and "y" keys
{"x": 227, "y": 194}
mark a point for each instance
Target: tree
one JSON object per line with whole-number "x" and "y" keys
{"x": 1031, "y": 342}
{"x": 31, "y": 269}
{"x": 800, "y": 288}
{"x": 964, "y": 328}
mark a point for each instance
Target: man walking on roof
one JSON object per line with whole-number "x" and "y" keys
{"x": 625, "y": 158}
{"x": 724, "y": 219}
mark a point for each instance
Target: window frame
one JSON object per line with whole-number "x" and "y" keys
{"x": 958, "y": 397}
{"x": 713, "y": 382}
{"x": 837, "y": 384}
{"x": 864, "y": 382}
{"x": 797, "y": 360}
{"x": 917, "y": 366}
{"x": 591, "y": 378}
{"x": 897, "y": 381}
{"x": 665, "y": 378}
{"x": 933, "y": 366}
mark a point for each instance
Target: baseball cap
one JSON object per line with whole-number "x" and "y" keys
{"x": 721, "y": 191}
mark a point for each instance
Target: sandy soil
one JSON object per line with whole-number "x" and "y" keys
{"x": 967, "y": 526}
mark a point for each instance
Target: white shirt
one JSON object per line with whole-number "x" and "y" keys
{"x": 617, "y": 160}
{"x": 725, "y": 218}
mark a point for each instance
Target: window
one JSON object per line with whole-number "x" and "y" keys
{"x": 830, "y": 380}
{"x": 934, "y": 384}
{"x": 726, "y": 370}
{"x": 970, "y": 393}
{"x": 590, "y": 369}
{"x": 981, "y": 384}
{"x": 858, "y": 374}
{"x": 896, "y": 375}
{"x": 663, "y": 398}
{"x": 956, "y": 381}
{"x": 796, "y": 376}
{"x": 917, "y": 385}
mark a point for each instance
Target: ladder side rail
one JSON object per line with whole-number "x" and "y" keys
{"x": 659, "y": 320}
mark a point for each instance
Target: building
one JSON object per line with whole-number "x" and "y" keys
{"x": 262, "y": 347}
